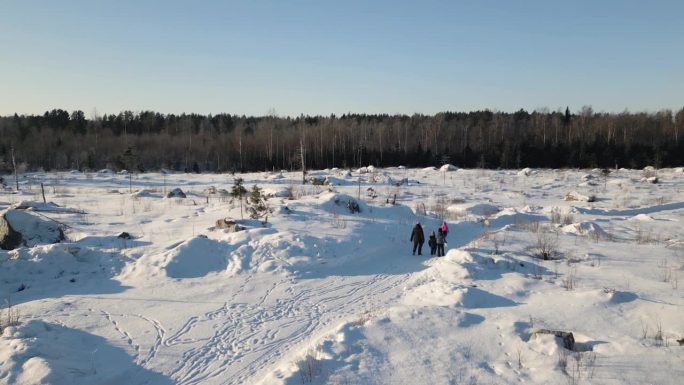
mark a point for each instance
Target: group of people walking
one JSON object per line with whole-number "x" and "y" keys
{"x": 436, "y": 241}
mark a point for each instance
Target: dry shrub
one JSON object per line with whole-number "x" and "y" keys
{"x": 309, "y": 367}
{"x": 547, "y": 245}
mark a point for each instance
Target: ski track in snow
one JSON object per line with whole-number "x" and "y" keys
{"x": 248, "y": 338}
{"x": 253, "y": 336}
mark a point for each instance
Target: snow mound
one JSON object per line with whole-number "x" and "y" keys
{"x": 440, "y": 286}
{"x": 334, "y": 202}
{"x": 277, "y": 192}
{"x": 526, "y": 172}
{"x": 333, "y": 181}
{"x": 145, "y": 193}
{"x": 448, "y": 167}
{"x": 61, "y": 264}
{"x": 479, "y": 209}
{"x": 585, "y": 228}
{"x": 38, "y": 352}
{"x": 343, "y": 173}
{"x": 642, "y": 217}
{"x": 197, "y": 257}
{"x": 429, "y": 169}
{"x": 49, "y": 207}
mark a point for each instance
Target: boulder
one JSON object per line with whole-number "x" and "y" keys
{"x": 566, "y": 337}
{"x": 575, "y": 196}
{"x": 229, "y": 225}
{"x": 9, "y": 238}
{"x": 176, "y": 193}
{"x": 24, "y": 228}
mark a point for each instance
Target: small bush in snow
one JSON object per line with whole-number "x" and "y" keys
{"x": 570, "y": 280}
{"x": 9, "y": 316}
{"x": 644, "y": 236}
{"x": 338, "y": 222}
{"x": 439, "y": 208}
{"x": 555, "y": 216}
{"x": 547, "y": 245}
{"x": 353, "y": 206}
{"x": 568, "y": 219}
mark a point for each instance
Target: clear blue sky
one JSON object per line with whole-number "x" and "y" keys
{"x": 322, "y": 57}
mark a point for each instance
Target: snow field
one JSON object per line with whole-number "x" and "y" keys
{"x": 339, "y": 293}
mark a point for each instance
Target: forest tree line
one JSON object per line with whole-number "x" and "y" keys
{"x": 147, "y": 140}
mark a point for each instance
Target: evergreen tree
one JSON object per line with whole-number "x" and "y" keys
{"x": 237, "y": 192}
{"x": 256, "y": 204}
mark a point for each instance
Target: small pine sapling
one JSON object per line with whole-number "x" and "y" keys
{"x": 238, "y": 191}
{"x": 256, "y": 204}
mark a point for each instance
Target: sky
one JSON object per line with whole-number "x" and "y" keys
{"x": 323, "y": 57}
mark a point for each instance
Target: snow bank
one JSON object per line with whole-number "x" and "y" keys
{"x": 448, "y": 167}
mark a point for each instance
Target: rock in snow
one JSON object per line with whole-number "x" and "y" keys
{"x": 24, "y": 228}
{"x": 176, "y": 193}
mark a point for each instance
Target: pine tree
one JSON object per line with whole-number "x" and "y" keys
{"x": 237, "y": 192}
{"x": 256, "y": 205}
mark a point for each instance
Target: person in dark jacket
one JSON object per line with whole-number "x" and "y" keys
{"x": 440, "y": 243}
{"x": 432, "y": 242}
{"x": 418, "y": 238}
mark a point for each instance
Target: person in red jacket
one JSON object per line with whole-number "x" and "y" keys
{"x": 445, "y": 229}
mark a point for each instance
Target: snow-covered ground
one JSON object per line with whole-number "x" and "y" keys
{"x": 324, "y": 296}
